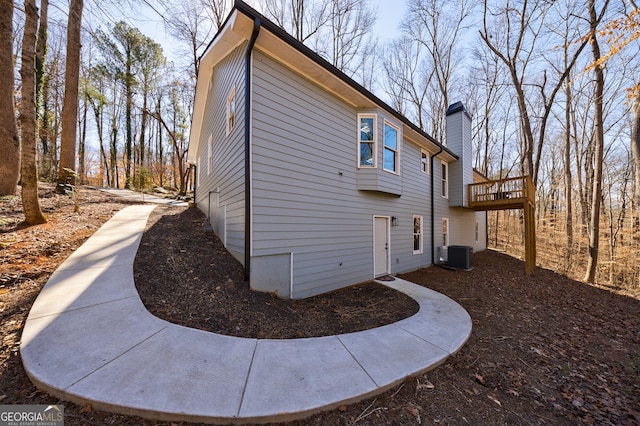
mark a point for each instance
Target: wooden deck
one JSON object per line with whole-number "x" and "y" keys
{"x": 508, "y": 194}
{"x": 504, "y": 194}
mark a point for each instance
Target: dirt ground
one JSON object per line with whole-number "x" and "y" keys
{"x": 544, "y": 349}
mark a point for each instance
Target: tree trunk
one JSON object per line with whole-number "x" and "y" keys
{"x": 596, "y": 197}
{"x": 29, "y": 170}
{"x": 9, "y": 142}
{"x": 70, "y": 105}
{"x": 82, "y": 173}
{"x": 635, "y": 152}
{"x": 41, "y": 51}
{"x": 568, "y": 178}
{"x": 128, "y": 147}
{"x": 42, "y": 88}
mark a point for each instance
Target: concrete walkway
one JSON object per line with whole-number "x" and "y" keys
{"x": 141, "y": 197}
{"x": 89, "y": 339}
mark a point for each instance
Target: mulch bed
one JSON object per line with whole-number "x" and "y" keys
{"x": 187, "y": 277}
{"x": 544, "y": 349}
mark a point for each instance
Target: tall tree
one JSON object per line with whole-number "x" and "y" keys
{"x": 9, "y": 142}
{"x": 440, "y": 26}
{"x": 406, "y": 81}
{"x": 517, "y": 48}
{"x": 122, "y": 56}
{"x": 70, "y": 105}
{"x": 635, "y": 151}
{"x": 188, "y": 21}
{"x": 151, "y": 64}
{"x": 41, "y": 50}
{"x": 32, "y": 213}
{"x": 303, "y": 19}
{"x": 596, "y": 196}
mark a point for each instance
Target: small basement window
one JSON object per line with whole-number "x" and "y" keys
{"x": 417, "y": 234}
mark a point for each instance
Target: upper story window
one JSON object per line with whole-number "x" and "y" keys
{"x": 445, "y": 180}
{"x": 366, "y": 140}
{"x": 424, "y": 161}
{"x": 231, "y": 110}
{"x": 390, "y": 148}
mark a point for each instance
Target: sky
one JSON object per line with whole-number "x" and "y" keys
{"x": 386, "y": 28}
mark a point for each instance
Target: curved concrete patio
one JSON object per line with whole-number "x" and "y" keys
{"x": 89, "y": 339}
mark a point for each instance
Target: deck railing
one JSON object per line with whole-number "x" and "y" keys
{"x": 502, "y": 193}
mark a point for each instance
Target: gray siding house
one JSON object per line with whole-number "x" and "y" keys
{"x": 311, "y": 181}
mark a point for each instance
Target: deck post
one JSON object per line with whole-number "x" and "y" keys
{"x": 505, "y": 194}
{"x": 530, "y": 237}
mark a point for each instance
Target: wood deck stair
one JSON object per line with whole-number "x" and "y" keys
{"x": 509, "y": 194}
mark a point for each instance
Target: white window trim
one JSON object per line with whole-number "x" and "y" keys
{"x": 421, "y": 249}
{"x": 231, "y": 110}
{"x": 427, "y": 169}
{"x": 375, "y": 140}
{"x": 445, "y": 179}
{"x": 209, "y": 154}
{"x": 397, "y": 150}
{"x": 448, "y": 234}
{"x": 199, "y": 170}
{"x": 477, "y": 232}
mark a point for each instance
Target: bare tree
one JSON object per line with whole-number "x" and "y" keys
{"x": 350, "y": 24}
{"x": 407, "y": 79}
{"x": 488, "y": 86}
{"x": 303, "y": 19}
{"x": 70, "y": 105}
{"x": 151, "y": 65}
{"x": 438, "y": 27}
{"x": 596, "y": 197}
{"x": 217, "y": 10}
{"x": 29, "y": 171}
{"x": 189, "y": 22}
{"x": 9, "y": 142}
{"x": 517, "y": 48}
{"x": 635, "y": 151}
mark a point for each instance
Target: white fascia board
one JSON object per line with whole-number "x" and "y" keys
{"x": 236, "y": 31}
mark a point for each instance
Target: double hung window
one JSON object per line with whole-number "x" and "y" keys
{"x": 445, "y": 180}
{"x": 366, "y": 140}
{"x": 390, "y": 148}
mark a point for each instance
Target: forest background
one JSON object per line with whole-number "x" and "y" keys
{"x": 100, "y": 93}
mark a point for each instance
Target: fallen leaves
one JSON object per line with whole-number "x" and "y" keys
{"x": 414, "y": 410}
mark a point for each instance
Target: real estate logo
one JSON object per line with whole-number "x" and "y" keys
{"x": 32, "y": 415}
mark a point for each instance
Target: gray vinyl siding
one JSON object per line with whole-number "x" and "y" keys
{"x": 226, "y": 208}
{"x": 460, "y": 171}
{"x": 462, "y": 222}
{"x": 305, "y": 197}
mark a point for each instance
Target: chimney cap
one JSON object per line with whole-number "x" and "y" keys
{"x": 457, "y": 107}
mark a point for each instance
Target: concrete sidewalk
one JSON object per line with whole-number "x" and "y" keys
{"x": 89, "y": 339}
{"x": 141, "y": 197}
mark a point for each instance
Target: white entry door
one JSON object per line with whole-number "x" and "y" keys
{"x": 380, "y": 246}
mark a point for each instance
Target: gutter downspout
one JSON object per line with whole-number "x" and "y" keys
{"x": 247, "y": 149}
{"x": 433, "y": 245}
{"x": 195, "y": 184}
